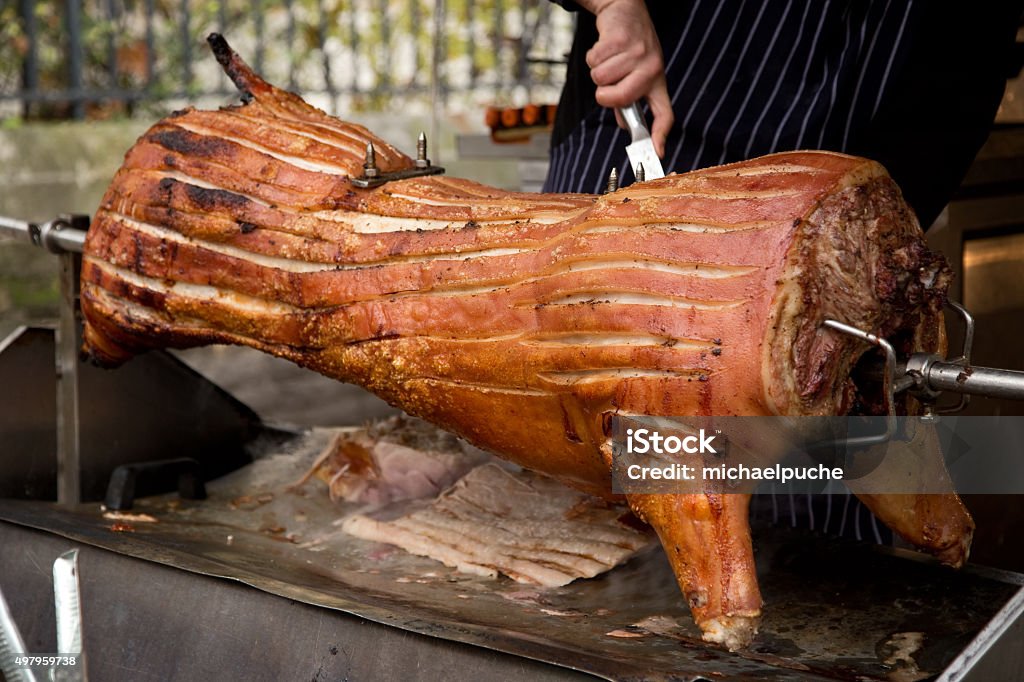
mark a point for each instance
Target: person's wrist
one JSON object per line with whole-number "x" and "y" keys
{"x": 596, "y": 7}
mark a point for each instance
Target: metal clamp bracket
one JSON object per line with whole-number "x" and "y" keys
{"x": 373, "y": 177}
{"x": 404, "y": 174}
{"x": 965, "y": 357}
{"x": 888, "y": 381}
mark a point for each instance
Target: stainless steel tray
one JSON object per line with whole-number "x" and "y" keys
{"x": 833, "y": 609}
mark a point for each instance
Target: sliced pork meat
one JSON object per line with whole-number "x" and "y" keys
{"x": 527, "y": 527}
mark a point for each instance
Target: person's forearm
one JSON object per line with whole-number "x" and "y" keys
{"x": 626, "y": 62}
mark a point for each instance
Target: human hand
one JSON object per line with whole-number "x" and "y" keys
{"x": 626, "y": 63}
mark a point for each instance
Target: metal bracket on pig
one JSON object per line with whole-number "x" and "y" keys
{"x": 373, "y": 177}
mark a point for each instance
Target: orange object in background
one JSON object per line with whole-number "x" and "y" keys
{"x": 517, "y": 125}
{"x": 510, "y": 118}
{"x": 531, "y": 115}
{"x": 492, "y": 118}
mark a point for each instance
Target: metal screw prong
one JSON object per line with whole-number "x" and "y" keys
{"x": 639, "y": 172}
{"x": 370, "y": 166}
{"x": 613, "y": 181}
{"x": 421, "y": 151}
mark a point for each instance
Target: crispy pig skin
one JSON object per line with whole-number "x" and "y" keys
{"x": 519, "y": 321}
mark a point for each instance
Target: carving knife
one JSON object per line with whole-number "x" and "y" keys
{"x": 641, "y": 151}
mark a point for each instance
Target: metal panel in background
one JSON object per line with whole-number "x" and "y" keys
{"x": 154, "y": 407}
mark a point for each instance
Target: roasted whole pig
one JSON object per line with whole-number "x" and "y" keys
{"x": 522, "y": 321}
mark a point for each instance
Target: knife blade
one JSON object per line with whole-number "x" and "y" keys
{"x": 641, "y": 151}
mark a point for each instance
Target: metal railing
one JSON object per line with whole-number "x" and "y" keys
{"x": 79, "y": 58}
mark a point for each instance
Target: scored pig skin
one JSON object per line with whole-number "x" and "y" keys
{"x": 518, "y": 321}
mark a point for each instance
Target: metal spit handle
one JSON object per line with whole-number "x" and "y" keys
{"x": 933, "y": 374}
{"x": 65, "y": 234}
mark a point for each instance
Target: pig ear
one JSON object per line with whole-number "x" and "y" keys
{"x": 244, "y": 78}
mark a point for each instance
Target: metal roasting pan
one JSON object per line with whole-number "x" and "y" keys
{"x": 834, "y": 609}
